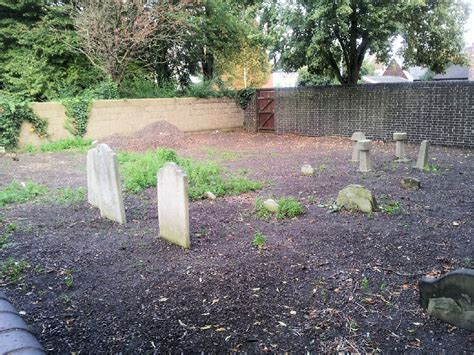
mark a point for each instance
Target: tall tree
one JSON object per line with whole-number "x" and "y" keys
{"x": 333, "y": 37}
{"x": 37, "y": 60}
{"x": 115, "y": 33}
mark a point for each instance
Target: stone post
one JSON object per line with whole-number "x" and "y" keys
{"x": 356, "y": 136}
{"x": 364, "y": 147}
{"x": 422, "y": 162}
{"x": 104, "y": 188}
{"x": 400, "y": 139}
{"x": 173, "y": 205}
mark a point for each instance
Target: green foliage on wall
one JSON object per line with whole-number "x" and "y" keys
{"x": 13, "y": 112}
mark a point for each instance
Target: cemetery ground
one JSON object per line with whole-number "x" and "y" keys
{"x": 327, "y": 280}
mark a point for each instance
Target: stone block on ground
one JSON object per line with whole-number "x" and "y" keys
{"x": 356, "y": 197}
{"x": 410, "y": 183}
{"x": 422, "y": 161}
{"x": 450, "y": 297}
{"x": 271, "y": 205}
{"x": 104, "y": 188}
{"x": 307, "y": 170}
{"x": 400, "y": 139}
{"x": 173, "y": 205}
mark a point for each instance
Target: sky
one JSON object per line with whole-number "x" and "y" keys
{"x": 469, "y": 35}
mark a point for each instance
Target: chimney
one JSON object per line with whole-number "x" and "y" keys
{"x": 471, "y": 62}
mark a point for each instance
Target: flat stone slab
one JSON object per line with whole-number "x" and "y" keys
{"x": 365, "y": 144}
{"x": 450, "y": 298}
{"x": 399, "y": 136}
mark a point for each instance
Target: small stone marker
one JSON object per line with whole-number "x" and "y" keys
{"x": 356, "y": 197}
{"x": 271, "y": 205}
{"x": 356, "y": 136}
{"x": 210, "y": 196}
{"x": 173, "y": 205}
{"x": 2, "y": 150}
{"x": 400, "y": 139}
{"x": 422, "y": 162}
{"x": 104, "y": 189}
{"x": 364, "y": 147}
{"x": 450, "y": 297}
{"x": 307, "y": 170}
{"x": 410, "y": 183}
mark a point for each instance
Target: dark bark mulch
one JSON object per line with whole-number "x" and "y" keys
{"x": 326, "y": 281}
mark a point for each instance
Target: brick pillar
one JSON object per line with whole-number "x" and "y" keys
{"x": 471, "y": 62}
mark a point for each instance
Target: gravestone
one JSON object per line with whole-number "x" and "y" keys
{"x": 104, "y": 189}
{"x": 173, "y": 205}
{"x": 422, "y": 162}
{"x": 356, "y": 136}
{"x": 450, "y": 298}
{"x": 400, "y": 139}
{"x": 364, "y": 147}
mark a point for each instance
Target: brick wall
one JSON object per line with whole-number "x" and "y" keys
{"x": 442, "y": 112}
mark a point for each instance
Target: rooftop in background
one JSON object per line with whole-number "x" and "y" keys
{"x": 371, "y": 79}
{"x": 454, "y": 72}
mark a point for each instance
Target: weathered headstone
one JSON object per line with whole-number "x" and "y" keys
{"x": 410, "y": 183}
{"x": 400, "y": 139}
{"x": 356, "y": 197}
{"x": 422, "y": 162}
{"x": 104, "y": 189}
{"x": 356, "y": 136}
{"x": 173, "y": 205}
{"x": 271, "y": 205}
{"x": 450, "y": 297}
{"x": 364, "y": 147}
{"x": 307, "y": 170}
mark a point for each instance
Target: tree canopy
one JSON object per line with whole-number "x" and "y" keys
{"x": 332, "y": 38}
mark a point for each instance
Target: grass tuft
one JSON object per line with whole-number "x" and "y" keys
{"x": 288, "y": 207}
{"x": 139, "y": 172}
{"x": 75, "y": 143}
{"x": 259, "y": 241}
{"x": 16, "y": 192}
{"x": 12, "y": 271}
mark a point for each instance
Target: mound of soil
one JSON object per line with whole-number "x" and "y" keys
{"x": 155, "y": 135}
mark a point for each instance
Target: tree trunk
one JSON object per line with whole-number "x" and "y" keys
{"x": 208, "y": 67}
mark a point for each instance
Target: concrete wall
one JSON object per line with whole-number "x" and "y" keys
{"x": 442, "y": 112}
{"x": 124, "y": 117}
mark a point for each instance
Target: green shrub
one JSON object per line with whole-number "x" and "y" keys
{"x": 390, "y": 206}
{"x": 12, "y": 271}
{"x": 144, "y": 88}
{"x": 289, "y": 207}
{"x": 16, "y": 192}
{"x": 139, "y": 172}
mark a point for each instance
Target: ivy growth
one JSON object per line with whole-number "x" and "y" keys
{"x": 244, "y": 97}
{"x": 13, "y": 112}
{"x": 78, "y": 108}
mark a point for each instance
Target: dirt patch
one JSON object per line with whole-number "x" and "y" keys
{"x": 155, "y": 135}
{"x": 325, "y": 282}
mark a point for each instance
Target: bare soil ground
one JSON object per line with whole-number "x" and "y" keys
{"x": 325, "y": 282}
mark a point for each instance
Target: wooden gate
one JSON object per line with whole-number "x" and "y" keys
{"x": 266, "y": 109}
